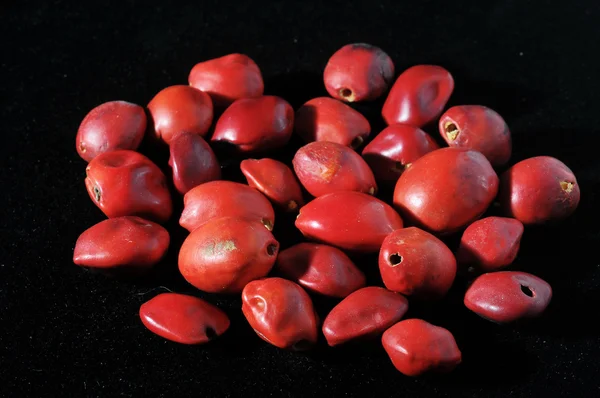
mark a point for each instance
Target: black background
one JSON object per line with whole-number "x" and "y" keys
{"x": 67, "y": 332}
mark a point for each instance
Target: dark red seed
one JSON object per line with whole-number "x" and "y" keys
{"x": 507, "y": 296}
{"x": 183, "y": 319}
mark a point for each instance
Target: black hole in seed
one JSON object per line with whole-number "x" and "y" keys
{"x": 356, "y": 142}
{"x": 526, "y": 291}
{"x": 210, "y": 333}
{"x": 395, "y": 259}
{"x": 271, "y": 249}
{"x": 97, "y": 194}
{"x": 345, "y": 92}
{"x": 301, "y": 345}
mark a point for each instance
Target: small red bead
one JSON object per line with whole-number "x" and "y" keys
{"x": 395, "y": 149}
{"x": 183, "y": 319}
{"x": 275, "y": 180}
{"x": 111, "y": 126}
{"x": 416, "y": 347}
{"x": 446, "y": 189}
{"x": 415, "y": 263}
{"x": 490, "y": 244}
{"x": 539, "y": 190}
{"x": 321, "y": 269}
{"x": 193, "y": 162}
{"x": 226, "y": 253}
{"x": 418, "y": 96}
{"x": 217, "y": 199}
{"x": 349, "y": 220}
{"x": 327, "y": 119}
{"x": 254, "y": 125}
{"x": 480, "y": 128}
{"x": 507, "y": 296}
{"x": 366, "y": 313}
{"x": 180, "y": 109}
{"x": 325, "y": 167}
{"x": 358, "y": 72}
{"x": 126, "y": 183}
{"x": 121, "y": 242}
{"x": 281, "y": 313}
{"x": 227, "y": 79}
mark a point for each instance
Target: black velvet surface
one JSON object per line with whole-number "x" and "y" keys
{"x": 65, "y": 332}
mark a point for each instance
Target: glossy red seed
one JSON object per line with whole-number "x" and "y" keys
{"x": 417, "y": 347}
{"x": 349, "y": 220}
{"x": 275, "y": 180}
{"x": 254, "y": 125}
{"x": 325, "y": 167}
{"x": 415, "y": 263}
{"x": 281, "y": 313}
{"x": 126, "y": 183}
{"x": 507, "y": 296}
{"x": 321, "y": 269}
{"x": 366, "y": 313}
{"x": 480, "y": 128}
{"x": 358, "y": 72}
{"x": 183, "y": 319}
{"x": 395, "y": 149}
{"x": 180, "y": 109}
{"x": 217, "y": 199}
{"x": 446, "y": 189}
{"x": 121, "y": 242}
{"x": 193, "y": 162}
{"x": 539, "y": 190}
{"x": 490, "y": 244}
{"x": 418, "y": 96}
{"x": 327, "y": 119}
{"x": 227, "y": 79}
{"x": 111, "y": 126}
{"x": 226, "y": 253}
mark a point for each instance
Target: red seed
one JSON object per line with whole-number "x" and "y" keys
{"x": 126, "y": 183}
{"x": 180, "y": 109}
{"x": 281, "y": 313}
{"x": 227, "y": 79}
{"x": 480, "y": 128}
{"x": 418, "y": 96}
{"x": 539, "y": 190}
{"x": 226, "y": 253}
{"x": 446, "y": 189}
{"x": 254, "y": 125}
{"x": 364, "y": 314}
{"x": 417, "y": 347}
{"x": 121, "y": 242}
{"x": 321, "y": 269}
{"x": 183, "y": 319}
{"x": 415, "y": 263}
{"x": 193, "y": 162}
{"x": 325, "y": 167}
{"x": 395, "y": 149}
{"x": 507, "y": 296}
{"x": 111, "y": 126}
{"x": 490, "y": 244}
{"x": 217, "y": 199}
{"x": 358, "y": 72}
{"x": 349, "y": 220}
{"x": 275, "y": 180}
{"x": 327, "y": 119}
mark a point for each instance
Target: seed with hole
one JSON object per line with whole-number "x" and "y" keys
{"x": 393, "y": 150}
{"x": 507, "y": 296}
{"x": 479, "y": 128}
{"x": 358, "y": 72}
{"x": 224, "y": 254}
{"x": 97, "y": 194}
{"x": 327, "y": 119}
{"x": 426, "y": 270}
{"x": 183, "y": 319}
{"x": 539, "y": 190}
{"x": 287, "y": 320}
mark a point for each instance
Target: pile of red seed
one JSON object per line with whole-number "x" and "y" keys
{"x": 231, "y": 249}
